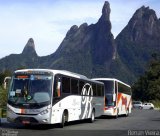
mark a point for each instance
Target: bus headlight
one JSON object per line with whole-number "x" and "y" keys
{"x": 44, "y": 112}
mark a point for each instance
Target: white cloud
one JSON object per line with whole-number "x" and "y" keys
{"x": 48, "y": 21}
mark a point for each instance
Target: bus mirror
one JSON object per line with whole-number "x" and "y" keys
{"x": 114, "y": 97}
{"x": 6, "y": 81}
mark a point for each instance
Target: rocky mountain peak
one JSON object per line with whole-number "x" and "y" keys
{"x": 139, "y": 39}
{"x": 72, "y": 30}
{"x": 104, "y": 22}
{"x": 29, "y": 47}
{"x": 145, "y": 13}
{"x": 105, "y": 17}
{"x": 143, "y": 23}
{"x": 106, "y": 10}
{"x": 104, "y": 40}
{"x": 75, "y": 29}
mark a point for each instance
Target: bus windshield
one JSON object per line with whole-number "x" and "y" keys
{"x": 109, "y": 86}
{"x": 30, "y": 90}
{"x": 109, "y": 100}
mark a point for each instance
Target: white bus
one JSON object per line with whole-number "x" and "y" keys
{"x": 118, "y": 100}
{"x": 44, "y": 96}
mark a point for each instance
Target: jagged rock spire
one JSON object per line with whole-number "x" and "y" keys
{"x": 103, "y": 31}
{"x": 29, "y": 47}
{"x": 104, "y": 21}
{"x": 106, "y": 10}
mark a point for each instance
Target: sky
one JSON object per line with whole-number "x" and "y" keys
{"x": 47, "y": 21}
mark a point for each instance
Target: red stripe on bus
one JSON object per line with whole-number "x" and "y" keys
{"x": 119, "y": 98}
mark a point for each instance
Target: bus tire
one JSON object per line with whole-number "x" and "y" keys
{"x": 63, "y": 120}
{"x": 116, "y": 116}
{"x": 92, "y": 119}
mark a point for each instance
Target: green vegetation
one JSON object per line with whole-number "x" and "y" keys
{"x": 147, "y": 88}
{"x": 156, "y": 103}
{"x": 3, "y": 97}
{"x": 3, "y": 75}
{"x": 3, "y": 113}
{"x": 3, "y": 102}
{"x": 3, "y": 93}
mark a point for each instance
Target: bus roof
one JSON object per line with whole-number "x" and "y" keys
{"x": 111, "y": 79}
{"x": 63, "y": 72}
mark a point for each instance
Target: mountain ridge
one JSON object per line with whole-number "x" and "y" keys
{"x": 93, "y": 51}
{"x": 139, "y": 40}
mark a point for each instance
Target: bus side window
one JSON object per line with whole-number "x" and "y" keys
{"x": 99, "y": 90}
{"x": 94, "y": 89}
{"x": 103, "y": 90}
{"x": 65, "y": 85}
{"x": 74, "y": 86}
{"x": 57, "y": 87}
{"x": 81, "y": 85}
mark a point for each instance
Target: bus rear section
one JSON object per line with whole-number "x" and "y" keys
{"x": 117, "y": 97}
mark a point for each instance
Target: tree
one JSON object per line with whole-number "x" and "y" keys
{"x": 3, "y": 75}
{"x": 3, "y": 97}
{"x": 3, "y": 92}
{"x": 147, "y": 87}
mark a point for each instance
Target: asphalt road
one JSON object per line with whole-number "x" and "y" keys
{"x": 140, "y": 122}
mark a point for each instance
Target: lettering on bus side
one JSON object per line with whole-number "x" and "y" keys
{"x": 82, "y": 93}
{"x": 89, "y": 91}
{"x": 86, "y": 101}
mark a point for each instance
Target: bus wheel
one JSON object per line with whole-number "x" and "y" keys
{"x": 92, "y": 119}
{"x": 116, "y": 116}
{"x": 63, "y": 120}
